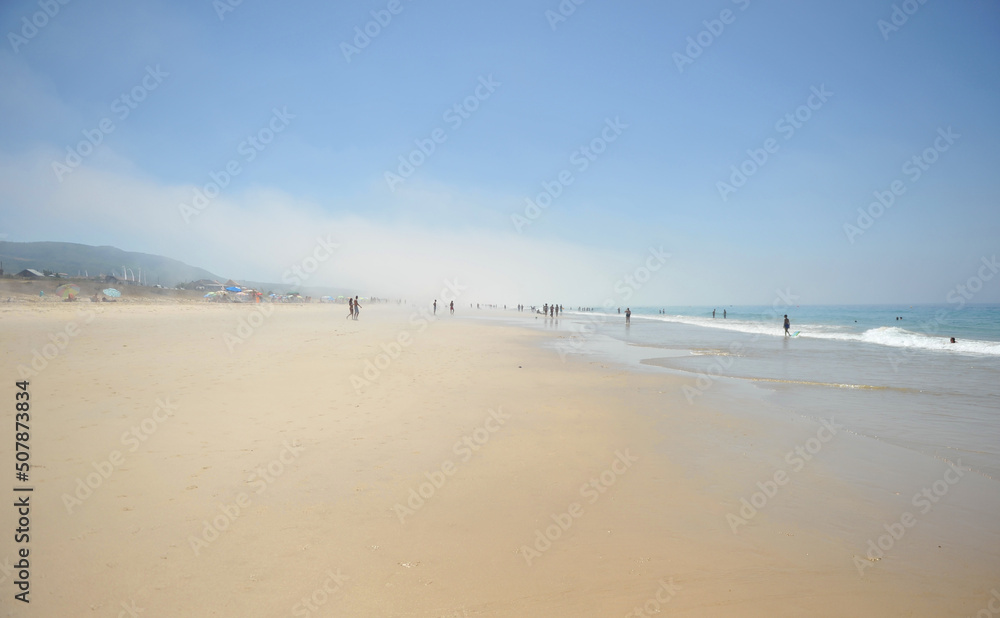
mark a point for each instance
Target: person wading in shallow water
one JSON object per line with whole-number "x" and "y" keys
{"x": 628, "y": 316}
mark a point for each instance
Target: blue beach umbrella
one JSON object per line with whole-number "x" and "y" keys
{"x": 233, "y": 289}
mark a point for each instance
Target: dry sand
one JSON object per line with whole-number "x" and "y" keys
{"x": 248, "y": 476}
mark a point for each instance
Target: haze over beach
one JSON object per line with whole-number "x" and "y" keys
{"x": 189, "y": 88}
{"x": 575, "y": 230}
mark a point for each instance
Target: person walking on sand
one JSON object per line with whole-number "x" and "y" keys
{"x": 452, "y": 307}
{"x": 787, "y": 325}
{"x": 357, "y": 308}
{"x": 350, "y": 308}
{"x": 435, "y": 306}
{"x": 628, "y": 316}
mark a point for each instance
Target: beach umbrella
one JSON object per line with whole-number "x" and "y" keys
{"x": 113, "y": 293}
{"x": 233, "y": 289}
{"x": 68, "y": 290}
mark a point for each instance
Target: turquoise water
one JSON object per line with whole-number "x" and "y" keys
{"x": 976, "y": 328}
{"x": 897, "y": 381}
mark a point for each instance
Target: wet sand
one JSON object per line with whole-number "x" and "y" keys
{"x": 229, "y": 460}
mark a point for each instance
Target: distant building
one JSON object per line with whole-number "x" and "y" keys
{"x": 207, "y": 284}
{"x": 30, "y": 273}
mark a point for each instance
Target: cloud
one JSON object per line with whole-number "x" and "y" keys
{"x": 409, "y": 250}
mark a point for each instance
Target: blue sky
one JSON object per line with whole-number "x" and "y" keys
{"x": 555, "y": 86}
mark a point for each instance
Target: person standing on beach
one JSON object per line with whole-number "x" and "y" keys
{"x": 787, "y": 324}
{"x": 452, "y": 307}
{"x": 350, "y": 308}
{"x": 628, "y": 316}
{"x": 435, "y": 306}
{"x": 357, "y": 307}
{"x": 713, "y": 313}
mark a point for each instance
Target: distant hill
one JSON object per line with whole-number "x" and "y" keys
{"x": 73, "y": 259}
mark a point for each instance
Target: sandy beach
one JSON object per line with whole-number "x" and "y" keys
{"x": 220, "y": 460}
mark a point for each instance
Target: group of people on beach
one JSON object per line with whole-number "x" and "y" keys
{"x": 451, "y": 306}
{"x": 353, "y": 308}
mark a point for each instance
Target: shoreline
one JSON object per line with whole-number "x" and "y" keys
{"x": 654, "y": 529}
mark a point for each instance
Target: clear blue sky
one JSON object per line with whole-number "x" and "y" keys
{"x": 555, "y": 85}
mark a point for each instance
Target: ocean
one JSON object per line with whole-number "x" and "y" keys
{"x": 899, "y": 381}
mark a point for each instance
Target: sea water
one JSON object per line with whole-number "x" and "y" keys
{"x": 900, "y": 381}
